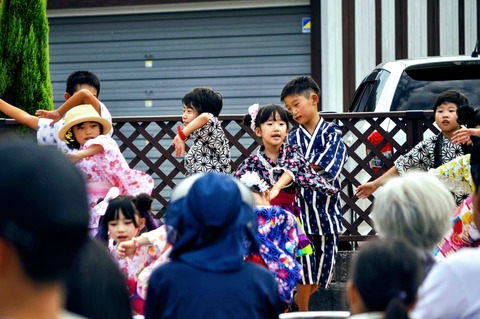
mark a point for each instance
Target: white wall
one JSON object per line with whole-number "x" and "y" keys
{"x": 471, "y": 35}
{"x": 364, "y": 38}
{"x": 332, "y": 62}
{"x": 417, "y": 28}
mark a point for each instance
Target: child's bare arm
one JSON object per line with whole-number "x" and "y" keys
{"x": 197, "y": 123}
{"x": 90, "y": 151}
{"x": 128, "y": 248}
{"x": 82, "y": 96}
{"x": 367, "y": 189}
{"x": 462, "y": 136}
{"x": 283, "y": 181}
{"x": 19, "y": 115}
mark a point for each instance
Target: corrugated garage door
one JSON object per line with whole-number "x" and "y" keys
{"x": 148, "y": 61}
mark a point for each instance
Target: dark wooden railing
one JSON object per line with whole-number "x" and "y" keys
{"x": 146, "y": 144}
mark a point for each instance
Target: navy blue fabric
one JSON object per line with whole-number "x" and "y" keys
{"x": 177, "y": 290}
{"x": 214, "y": 222}
{"x": 215, "y": 226}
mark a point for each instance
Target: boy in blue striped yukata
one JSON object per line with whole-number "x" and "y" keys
{"x": 322, "y": 145}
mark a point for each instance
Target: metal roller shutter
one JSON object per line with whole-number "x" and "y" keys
{"x": 247, "y": 55}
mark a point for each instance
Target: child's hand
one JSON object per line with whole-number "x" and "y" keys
{"x": 365, "y": 190}
{"x": 54, "y": 115}
{"x": 462, "y": 136}
{"x": 126, "y": 249}
{"x": 179, "y": 145}
{"x": 273, "y": 192}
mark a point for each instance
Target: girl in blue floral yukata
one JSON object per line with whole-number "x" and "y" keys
{"x": 278, "y": 237}
{"x": 283, "y": 167}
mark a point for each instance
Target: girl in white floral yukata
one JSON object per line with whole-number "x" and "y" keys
{"x": 100, "y": 160}
{"x": 127, "y": 220}
{"x": 210, "y": 151}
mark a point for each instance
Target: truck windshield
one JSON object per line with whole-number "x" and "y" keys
{"x": 418, "y": 88}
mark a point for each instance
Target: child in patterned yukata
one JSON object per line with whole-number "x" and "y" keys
{"x": 83, "y": 87}
{"x": 129, "y": 219}
{"x": 281, "y": 165}
{"x": 321, "y": 213}
{"x": 210, "y": 151}
{"x": 431, "y": 152}
{"x": 456, "y": 177}
{"x": 278, "y": 236}
{"x": 100, "y": 160}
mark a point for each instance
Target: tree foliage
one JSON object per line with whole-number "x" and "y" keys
{"x": 24, "y": 55}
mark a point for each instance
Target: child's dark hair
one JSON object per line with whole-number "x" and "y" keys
{"x": 129, "y": 206}
{"x": 300, "y": 85}
{"x": 82, "y": 77}
{"x": 387, "y": 275}
{"x": 468, "y": 116}
{"x": 451, "y": 96}
{"x": 70, "y": 139}
{"x": 264, "y": 114}
{"x": 204, "y": 100}
{"x": 475, "y": 162}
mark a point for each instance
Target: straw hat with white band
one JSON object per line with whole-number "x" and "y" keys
{"x": 83, "y": 113}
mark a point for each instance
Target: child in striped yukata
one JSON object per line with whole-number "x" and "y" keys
{"x": 322, "y": 145}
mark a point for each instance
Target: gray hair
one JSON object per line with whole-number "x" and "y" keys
{"x": 416, "y": 207}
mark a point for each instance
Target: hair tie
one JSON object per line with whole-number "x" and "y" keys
{"x": 253, "y": 111}
{"x": 402, "y": 295}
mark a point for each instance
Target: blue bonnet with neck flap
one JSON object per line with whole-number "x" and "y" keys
{"x": 213, "y": 220}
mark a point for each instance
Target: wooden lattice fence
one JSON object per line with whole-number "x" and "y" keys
{"x": 146, "y": 144}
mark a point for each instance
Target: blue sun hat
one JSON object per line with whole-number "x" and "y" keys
{"x": 212, "y": 217}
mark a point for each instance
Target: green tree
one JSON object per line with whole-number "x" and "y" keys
{"x": 24, "y": 55}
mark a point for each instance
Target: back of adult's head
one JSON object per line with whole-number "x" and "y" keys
{"x": 95, "y": 287}
{"x": 213, "y": 219}
{"x": 386, "y": 274}
{"x": 44, "y": 214}
{"x": 415, "y": 207}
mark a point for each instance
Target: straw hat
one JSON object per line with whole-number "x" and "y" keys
{"x": 83, "y": 113}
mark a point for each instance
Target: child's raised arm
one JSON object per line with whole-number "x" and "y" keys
{"x": 128, "y": 248}
{"x": 156, "y": 237}
{"x": 19, "y": 115}
{"x": 179, "y": 141}
{"x": 82, "y": 96}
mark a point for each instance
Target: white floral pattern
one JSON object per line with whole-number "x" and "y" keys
{"x": 110, "y": 168}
